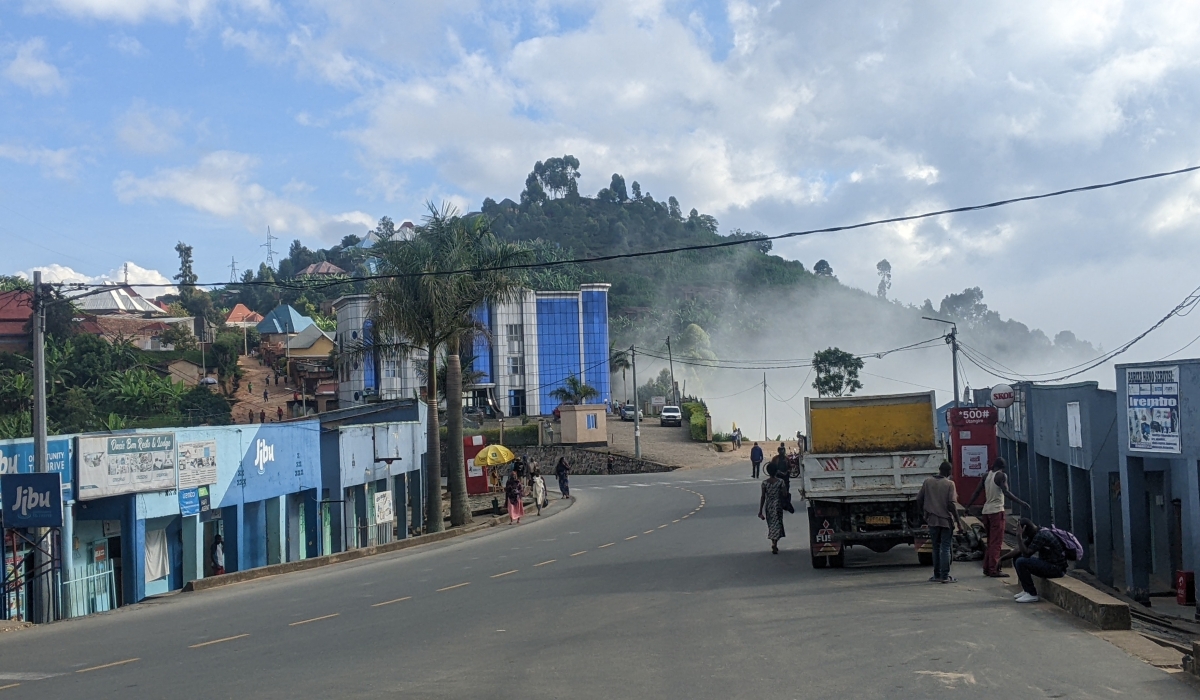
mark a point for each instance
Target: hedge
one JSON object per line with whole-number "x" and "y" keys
{"x": 697, "y": 420}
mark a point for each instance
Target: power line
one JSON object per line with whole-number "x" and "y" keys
{"x": 731, "y": 242}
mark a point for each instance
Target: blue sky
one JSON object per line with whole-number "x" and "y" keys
{"x": 132, "y": 124}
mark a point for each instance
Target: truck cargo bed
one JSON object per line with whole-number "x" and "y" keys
{"x": 867, "y": 476}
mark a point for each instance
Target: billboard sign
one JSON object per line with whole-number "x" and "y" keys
{"x": 119, "y": 464}
{"x": 16, "y": 457}
{"x": 32, "y": 500}
{"x": 189, "y": 502}
{"x": 197, "y": 463}
{"x": 1152, "y": 409}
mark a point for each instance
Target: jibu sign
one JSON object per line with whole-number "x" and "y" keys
{"x": 31, "y": 500}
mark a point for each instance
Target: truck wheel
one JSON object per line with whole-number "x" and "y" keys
{"x": 925, "y": 558}
{"x": 819, "y": 562}
{"x": 838, "y": 561}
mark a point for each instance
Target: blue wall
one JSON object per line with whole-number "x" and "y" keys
{"x": 595, "y": 343}
{"x": 558, "y": 346}
{"x": 483, "y": 348}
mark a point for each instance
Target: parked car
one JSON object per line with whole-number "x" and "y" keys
{"x": 627, "y": 412}
{"x": 671, "y": 415}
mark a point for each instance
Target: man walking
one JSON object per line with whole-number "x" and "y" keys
{"x": 936, "y": 499}
{"x": 756, "y": 458}
{"x": 995, "y": 488}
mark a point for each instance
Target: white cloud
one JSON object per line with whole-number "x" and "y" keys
{"x": 130, "y": 271}
{"x": 28, "y": 69}
{"x": 220, "y": 184}
{"x": 136, "y": 11}
{"x": 61, "y": 163}
{"x": 147, "y": 129}
{"x": 127, "y": 45}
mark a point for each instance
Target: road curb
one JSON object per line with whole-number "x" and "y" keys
{"x": 230, "y": 579}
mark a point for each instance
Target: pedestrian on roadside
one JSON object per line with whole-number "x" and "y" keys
{"x": 250, "y": 418}
{"x": 538, "y": 488}
{"x": 513, "y": 493}
{"x": 265, "y": 396}
{"x": 563, "y": 471}
{"x": 995, "y": 488}
{"x": 611, "y": 464}
{"x": 249, "y": 387}
{"x": 737, "y": 438}
{"x": 279, "y": 412}
{"x": 519, "y": 469}
{"x": 770, "y": 506}
{"x": 937, "y": 501}
{"x": 756, "y": 458}
{"x": 216, "y": 555}
{"x": 1041, "y": 554}
{"x": 262, "y": 416}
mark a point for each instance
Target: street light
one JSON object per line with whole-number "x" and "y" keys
{"x": 952, "y": 341}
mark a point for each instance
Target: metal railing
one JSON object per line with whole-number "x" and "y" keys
{"x": 92, "y": 589}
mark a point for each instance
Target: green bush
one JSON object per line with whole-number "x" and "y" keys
{"x": 699, "y": 426}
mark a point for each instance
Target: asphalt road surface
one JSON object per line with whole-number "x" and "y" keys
{"x": 650, "y": 586}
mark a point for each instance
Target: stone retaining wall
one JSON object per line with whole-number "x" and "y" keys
{"x": 588, "y": 461}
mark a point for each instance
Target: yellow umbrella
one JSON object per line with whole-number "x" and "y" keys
{"x": 494, "y": 455}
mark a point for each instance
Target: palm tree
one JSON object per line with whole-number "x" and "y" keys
{"x": 574, "y": 391}
{"x": 471, "y": 246}
{"x": 618, "y": 360}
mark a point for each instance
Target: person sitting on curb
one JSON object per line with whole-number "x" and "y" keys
{"x": 1041, "y": 554}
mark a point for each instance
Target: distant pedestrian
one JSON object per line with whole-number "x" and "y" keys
{"x": 538, "y": 488}
{"x": 737, "y": 438}
{"x": 279, "y": 412}
{"x": 756, "y": 459}
{"x": 770, "y": 507}
{"x": 265, "y": 395}
{"x": 936, "y": 499}
{"x": 563, "y": 471}
{"x": 249, "y": 387}
{"x": 262, "y": 416}
{"x": 250, "y": 418}
{"x": 1041, "y": 554}
{"x": 513, "y": 493}
{"x": 995, "y": 488}
{"x": 611, "y": 465}
{"x": 216, "y": 555}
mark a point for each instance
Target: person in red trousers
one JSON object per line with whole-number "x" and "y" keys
{"x": 995, "y": 488}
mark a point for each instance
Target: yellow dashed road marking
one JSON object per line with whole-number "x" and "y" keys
{"x": 548, "y": 561}
{"x": 457, "y": 585}
{"x": 218, "y": 641}
{"x": 305, "y": 622}
{"x": 115, "y": 663}
{"x": 389, "y": 602}
{"x": 506, "y": 573}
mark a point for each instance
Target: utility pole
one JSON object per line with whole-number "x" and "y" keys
{"x": 671, "y": 362}
{"x": 637, "y": 424}
{"x": 765, "y": 438}
{"x": 233, "y": 278}
{"x": 42, "y": 592}
{"x": 952, "y": 341}
{"x": 270, "y": 248}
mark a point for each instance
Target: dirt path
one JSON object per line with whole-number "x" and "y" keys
{"x": 250, "y": 393}
{"x": 670, "y": 445}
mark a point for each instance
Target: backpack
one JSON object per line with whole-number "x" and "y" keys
{"x": 1070, "y": 543}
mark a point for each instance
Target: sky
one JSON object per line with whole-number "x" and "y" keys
{"x": 130, "y": 125}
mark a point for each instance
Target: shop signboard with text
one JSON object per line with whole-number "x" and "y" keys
{"x": 1152, "y": 409}
{"x": 16, "y": 457}
{"x": 117, "y": 464}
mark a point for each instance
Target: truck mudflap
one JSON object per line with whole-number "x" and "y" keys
{"x": 824, "y": 541}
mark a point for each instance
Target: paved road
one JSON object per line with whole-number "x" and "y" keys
{"x": 664, "y": 588}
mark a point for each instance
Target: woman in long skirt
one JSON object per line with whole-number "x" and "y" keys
{"x": 770, "y": 507}
{"x": 513, "y": 492}
{"x": 563, "y": 472}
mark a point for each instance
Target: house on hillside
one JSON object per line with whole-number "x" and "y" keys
{"x": 118, "y": 299}
{"x": 182, "y": 371}
{"x": 16, "y": 307}
{"x": 142, "y": 333}
{"x": 242, "y": 317}
{"x": 323, "y": 269}
{"x": 312, "y": 342}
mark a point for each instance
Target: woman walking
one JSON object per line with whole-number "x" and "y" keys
{"x": 563, "y": 471}
{"x": 538, "y": 487}
{"x": 770, "y": 506}
{"x": 513, "y": 492}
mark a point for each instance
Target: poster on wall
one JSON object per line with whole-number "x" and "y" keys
{"x": 197, "y": 463}
{"x": 109, "y": 466}
{"x": 974, "y": 460}
{"x": 16, "y": 457}
{"x": 384, "y": 512}
{"x": 1152, "y": 406}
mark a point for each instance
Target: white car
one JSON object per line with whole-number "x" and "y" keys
{"x": 671, "y": 415}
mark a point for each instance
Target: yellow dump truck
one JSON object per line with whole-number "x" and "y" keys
{"x": 867, "y": 457}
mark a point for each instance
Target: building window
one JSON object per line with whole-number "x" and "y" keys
{"x": 391, "y": 369}
{"x": 516, "y": 366}
{"x": 591, "y": 421}
{"x": 516, "y": 339}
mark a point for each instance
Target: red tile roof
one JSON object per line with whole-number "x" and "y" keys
{"x": 321, "y": 268}
{"x": 16, "y": 306}
{"x": 241, "y": 314}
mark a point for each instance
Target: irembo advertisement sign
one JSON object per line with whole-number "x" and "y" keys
{"x": 118, "y": 464}
{"x": 1152, "y": 408}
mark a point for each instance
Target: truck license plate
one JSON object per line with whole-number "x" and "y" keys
{"x": 879, "y": 520}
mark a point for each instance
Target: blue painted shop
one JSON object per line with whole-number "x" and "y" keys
{"x": 151, "y": 502}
